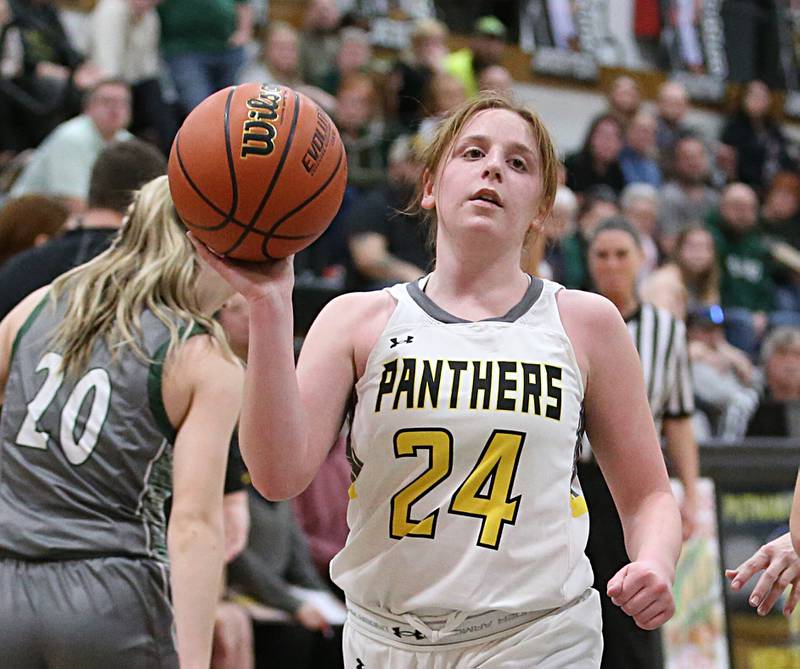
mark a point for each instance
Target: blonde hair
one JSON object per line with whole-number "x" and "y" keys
{"x": 150, "y": 265}
{"x": 446, "y": 134}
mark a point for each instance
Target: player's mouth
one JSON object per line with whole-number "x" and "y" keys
{"x": 487, "y": 195}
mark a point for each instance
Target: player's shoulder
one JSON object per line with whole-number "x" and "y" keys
{"x": 584, "y": 309}
{"x": 359, "y": 307}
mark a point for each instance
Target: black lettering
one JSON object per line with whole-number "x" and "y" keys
{"x": 506, "y": 385}
{"x": 553, "y": 391}
{"x": 406, "y": 383}
{"x": 457, "y": 366}
{"x": 387, "y": 382}
{"x": 429, "y": 384}
{"x": 481, "y": 384}
{"x": 531, "y": 386}
{"x": 265, "y": 148}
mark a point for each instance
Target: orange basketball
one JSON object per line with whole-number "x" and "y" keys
{"x": 257, "y": 171}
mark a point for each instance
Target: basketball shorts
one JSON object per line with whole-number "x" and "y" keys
{"x": 566, "y": 638}
{"x": 93, "y": 614}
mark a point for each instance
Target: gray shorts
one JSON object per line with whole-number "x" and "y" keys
{"x": 96, "y": 613}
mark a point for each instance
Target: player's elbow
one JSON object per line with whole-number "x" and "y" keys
{"x": 192, "y": 529}
{"x": 276, "y": 488}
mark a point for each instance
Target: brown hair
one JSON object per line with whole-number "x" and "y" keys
{"x": 23, "y": 219}
{"x": 433, "y": 154}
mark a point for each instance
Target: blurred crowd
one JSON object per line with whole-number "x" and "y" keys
{"x": 718, "y": 217}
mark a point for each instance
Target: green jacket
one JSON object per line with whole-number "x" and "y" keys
{"x": 745, "y": 267}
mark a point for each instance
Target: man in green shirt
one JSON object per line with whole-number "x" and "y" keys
{"x": 202, "y": 44}
{"x": 486, "y": 48}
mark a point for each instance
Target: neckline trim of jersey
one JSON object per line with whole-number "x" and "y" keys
{"x": 435, "y": 311}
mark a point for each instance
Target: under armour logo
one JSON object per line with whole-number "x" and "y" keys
{"x": 359, "y": 663}
{"x": 396, "y": 342}
{"x": 401, "y": 633}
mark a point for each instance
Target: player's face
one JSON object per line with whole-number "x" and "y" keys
{"x": 490, "y": 184}
{"x": 614, "y": 261}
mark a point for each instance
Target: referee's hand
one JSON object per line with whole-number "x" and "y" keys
{"x": 644, "y": 592}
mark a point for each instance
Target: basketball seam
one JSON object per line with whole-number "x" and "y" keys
{"x": 278, "y": 169}
{"x": 308, "y": 200}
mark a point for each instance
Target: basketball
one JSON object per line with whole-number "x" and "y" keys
{"x": 257, "y": 171}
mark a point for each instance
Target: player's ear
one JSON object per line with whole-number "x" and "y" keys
{"x": 427, "y": 199}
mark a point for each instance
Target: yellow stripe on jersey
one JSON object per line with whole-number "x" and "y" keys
{"x": 351, "y": 491}
{"x": 578, "y": 505}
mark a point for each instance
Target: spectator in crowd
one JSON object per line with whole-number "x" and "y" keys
{"x": 386, "y": 245}
{"x": 615, "y": 256}
{"x": 778, "y": 414}
{"x": 560, "y": 224}
{"x": 54, "y": 74}
{"x": 362, "y": 130}
{"x": 61, "y": 166}
{"x": 486, "y": 47}
{"x": 780, "y": 225}
{"x": 752, "y": 41}
{"x": 279, "y": 62}
{"x": 673, "y": 105}
{"x": 496, "y": 78}
{"x": 353, "y": 57}
{"x": 120, "y": 169}
{"x": 639, "y": 203}
{"x": 597, "y": 162}
{"x": 638, "y": 159}
{"x": 747, "y": 292}
{"x": 686, "y": 196}
{"x": 757, "y": 139}
{"x": 28, "y": 221}
{"x": 319, "y": 39}
{"x": 780, "y": 214}
{"x": 597, "y": 204}
{"x": 624, "y": 99}
{"x": 11, "y": 62}
{"x": 410, "y": 75}
{"x": 725, "y": 381}
{"x": 124, "y": 43}
{"x": 202, "y": 43}
{"x": 443, "y": 93}
{"x": 690, "y": 280}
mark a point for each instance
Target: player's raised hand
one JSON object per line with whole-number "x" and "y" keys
{"x": 644, "y": 591}
{"x": 781, "y": 567}
{"x": 253, "y": 280}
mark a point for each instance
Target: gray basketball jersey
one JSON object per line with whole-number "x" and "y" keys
{"x": 85, "y": 461}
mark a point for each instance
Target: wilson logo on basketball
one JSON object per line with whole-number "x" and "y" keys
{"x": 319, "y": 142}
{"x": 257, "y": 132}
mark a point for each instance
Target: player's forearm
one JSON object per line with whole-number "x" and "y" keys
{"x": 653, "y": 531}
{"x": 273, "y": 428}
{"x": 195, "y": 550}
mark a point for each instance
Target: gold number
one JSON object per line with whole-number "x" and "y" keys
{"x": 408, "y": 443}
{"x": 485, "y": 493}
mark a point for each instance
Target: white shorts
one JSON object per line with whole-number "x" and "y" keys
{"x": 566, "y": 638}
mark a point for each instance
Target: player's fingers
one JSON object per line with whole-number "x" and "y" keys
{"x": 794, "y": 597}
{"x": 746, "y": 570}
{"x": 773, "y": 582}
{"x": 640, "y": 602}
{"x": 615, "y": 582}
{"x": 655, "y": 616}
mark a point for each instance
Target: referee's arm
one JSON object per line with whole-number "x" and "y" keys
{"x": 678, "y": 431}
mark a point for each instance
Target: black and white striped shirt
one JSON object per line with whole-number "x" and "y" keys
{"x": 660, "y": 339}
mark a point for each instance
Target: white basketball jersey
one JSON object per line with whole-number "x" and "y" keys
{"x": 463, "y": 443}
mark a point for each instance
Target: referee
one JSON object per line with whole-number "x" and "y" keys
{"x": 615, "y": 256}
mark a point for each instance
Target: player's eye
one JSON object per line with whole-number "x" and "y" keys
{"x": 473, "y": 153}
{"x": 519, "y": 164}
